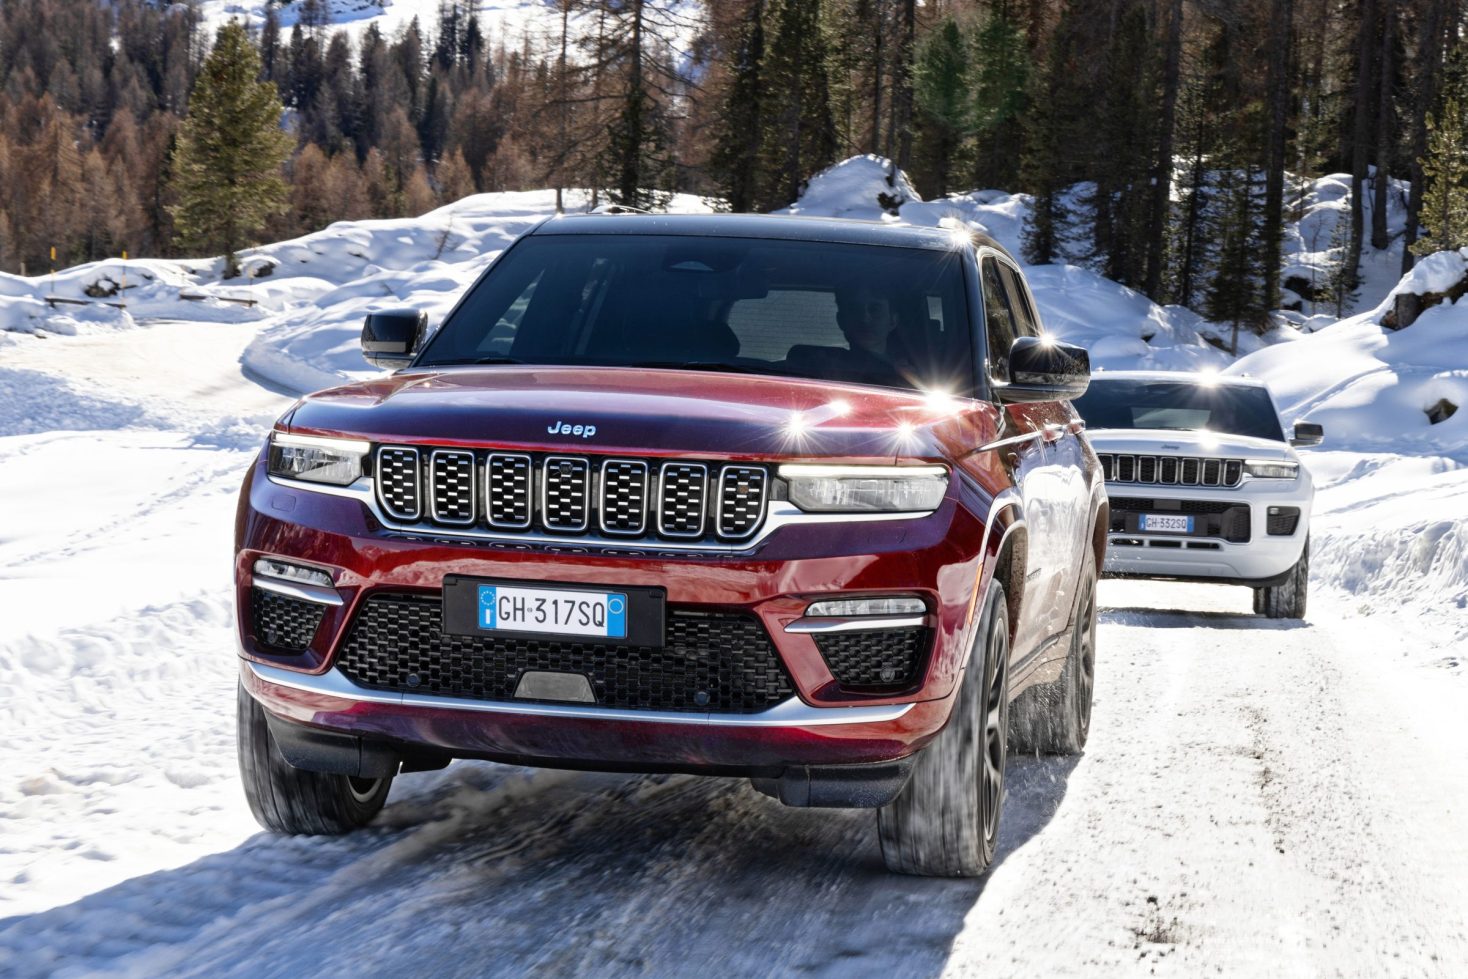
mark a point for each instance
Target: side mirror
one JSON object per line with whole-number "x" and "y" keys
{"x": 390, "y": 338}
{"x": 1308, "y": 433}
{"x": 1045, "y": 370}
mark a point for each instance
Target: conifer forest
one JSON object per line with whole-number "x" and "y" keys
{"x": 1164, "y": 142}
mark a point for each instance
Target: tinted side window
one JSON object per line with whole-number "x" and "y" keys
{"x": 998, "y": 321}
{"x": 1026, "y": 323}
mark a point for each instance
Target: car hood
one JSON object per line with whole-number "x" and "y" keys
{"x": 1141, "y": 441}
{"x": 633, "y": 411}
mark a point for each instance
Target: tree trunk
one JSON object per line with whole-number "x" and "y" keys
{"x": 1430, "y": 47}
{"x": 874, "y": 144}
{"x": 1360, "y": 137}
{"x": 1162, "y": 172}
{"x": 1384, "y": 131}
{"x": 902, "y": 84}
{"x": 1279, "y": 99}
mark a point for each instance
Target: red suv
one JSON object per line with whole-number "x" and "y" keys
{"x": 797, "y": 500}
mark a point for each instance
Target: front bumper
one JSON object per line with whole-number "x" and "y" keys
{"x": 938, "y": 557}
{"x": 1263, "y": 559}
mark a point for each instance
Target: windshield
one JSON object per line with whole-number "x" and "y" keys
{"x": 1180, "y": 405}
{"x": 836, "y": 312}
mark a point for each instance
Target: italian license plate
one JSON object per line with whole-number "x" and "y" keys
{"x": 507, "y": 608}
{"x": 617, "y": 615}
{"x": 1167, "y": 523}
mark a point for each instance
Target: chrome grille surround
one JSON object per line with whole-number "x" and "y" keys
{"x": 400, "y": 482}
{"x": 451, "y": 480}
{"x": 565, "y": 493}
{"x": 507, "y": 490}
{"x": 739, "y": 506}
{"x": 1172, "y": 470}
{"x": 682, "y": 493}
{"x": 623, "y": 505}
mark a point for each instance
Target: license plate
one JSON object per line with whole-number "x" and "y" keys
{"x": 614, "y": 614}
{"x": 1167, "y": 523}
{"x": 506, "y": 608}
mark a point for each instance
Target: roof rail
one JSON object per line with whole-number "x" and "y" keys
{"x": 617, "y": 209}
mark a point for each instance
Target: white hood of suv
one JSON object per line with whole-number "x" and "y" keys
{"x": 1143, "y": 441}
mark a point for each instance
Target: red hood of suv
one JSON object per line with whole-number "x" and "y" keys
{"x": 642, "y": 411}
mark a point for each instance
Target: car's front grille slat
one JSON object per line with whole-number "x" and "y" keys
{"x": 507, "y": 490}
{"x": 572, "y": 495}
{"x": 720, "y": 662}
{"x": 1172, "y": 470}
{"x": 565, "y": 494}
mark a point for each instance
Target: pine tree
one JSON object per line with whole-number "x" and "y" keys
{"x": 1000, "y": 77}
{"x": 799, "y": 134}
{"x": 227, "y": 168}
{"x": 1445, "y": 167}
{"x": 943, "y": 106}
{"x": 736, "y": 150}
{"x": 1339, "y": 287}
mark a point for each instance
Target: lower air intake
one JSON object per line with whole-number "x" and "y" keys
{"x": 874, "y": 660}
{"x": 711, "y": 662}
{"x": 281, "y": 623}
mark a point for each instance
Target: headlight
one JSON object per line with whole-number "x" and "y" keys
{"x": 315, "y": 459}
{"x": 862, "y": 489}
{"x": 1272, "y": 470}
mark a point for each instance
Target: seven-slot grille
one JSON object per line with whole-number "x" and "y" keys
{"x": 1169, "y": 470}
{"x": 570, "y": 495}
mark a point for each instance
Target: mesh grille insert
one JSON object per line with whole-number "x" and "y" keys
{"x": 398, "y": 482}
{"x": 452, "y": 480}
{"x": 684, "y": 485}
{"x": 507, "y": 490}
{"x": 284, "y": 623}
{"x": 741, "y": 500}
{"x": 886, "y": 658}
{"x": 711, "y": 662}
{"x": 624, "y": 497}
{"x": 564, "y": 493}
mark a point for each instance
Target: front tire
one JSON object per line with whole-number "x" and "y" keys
{"x": 1287, "y": 600}
{"x": 291, "y": 800}
{"x": 945, "y": 822}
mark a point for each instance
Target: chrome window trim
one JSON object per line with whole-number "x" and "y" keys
{"x": 433, "y": 487}
{"x": 545, "y": 484}
{"x": 778, "y": 513}
{"x": 529, "y": 490}
{"x": 854, "y": 623}
{"x": 788, "y": 713}
{"x": 417, "y": 465}
{"x": 764, "y": 499}
{"x": 297, "y": 589}
{"x": 703, "y": 508}
{"x": 601, "y": 510}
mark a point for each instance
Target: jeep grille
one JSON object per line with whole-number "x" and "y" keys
{"x": 1171, "y": 470}
{"x": 571, "y": 495}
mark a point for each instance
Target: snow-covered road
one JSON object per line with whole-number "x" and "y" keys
{"x": 1257, "y": 797}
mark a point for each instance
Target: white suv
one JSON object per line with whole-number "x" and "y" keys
{"x": 1203, "y": 484}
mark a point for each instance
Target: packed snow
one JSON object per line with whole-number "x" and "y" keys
{"x": 1257, "y": 796}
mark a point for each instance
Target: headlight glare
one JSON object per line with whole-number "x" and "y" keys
{"x": 866, "y": 489}
{"x": 1271, "y": 470}
{"x": 315, "y": 459}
